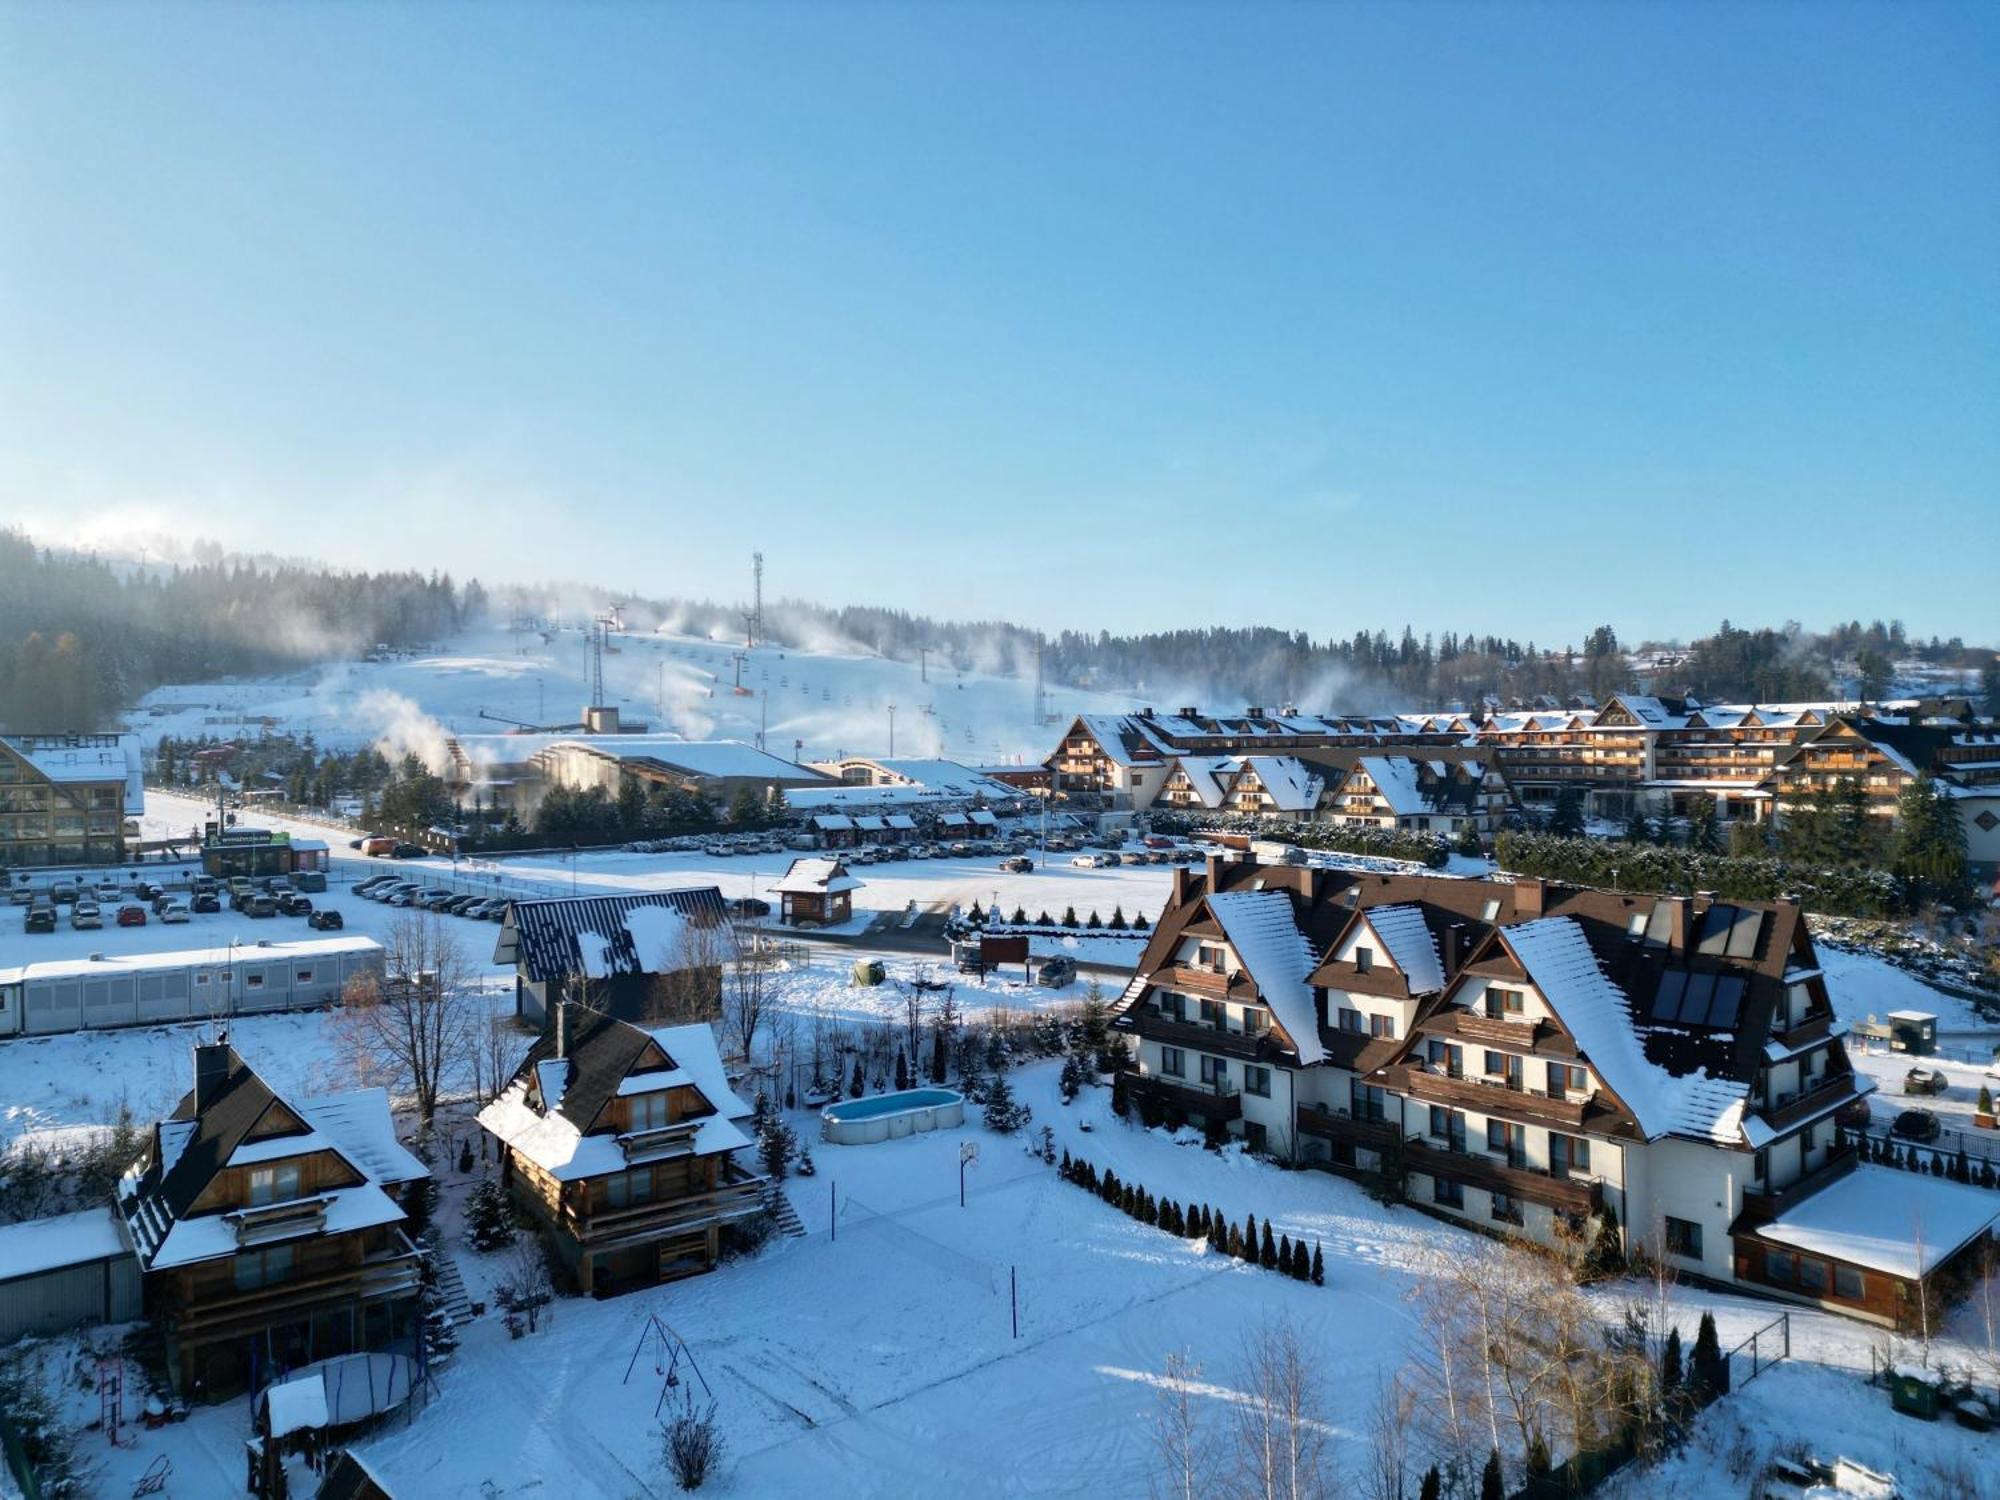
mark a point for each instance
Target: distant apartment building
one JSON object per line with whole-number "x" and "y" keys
{"x": 64, "y": 798}
{"x": 1523, "y": 1057}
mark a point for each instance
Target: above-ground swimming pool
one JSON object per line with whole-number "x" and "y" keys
{"x": 856, "y": 1122}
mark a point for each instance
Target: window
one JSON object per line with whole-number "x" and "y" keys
{"x": 1778, "y": 1266}
{"x": 260, "y": 1268}
{"x": 1450, "y": 1194}
{"x": 278, "y": 1183}
{"x": 629, "y": 1188}
{"x": 1510, "y": 1140}
{"x": 1350, "y": 1020}
{"x": 1209, "y": 956}
{"x": 1172, "y": 1006}
{"x": 253, "y": 981}
{"x": 1568, "y": 1153}
{"x": 1214, "y": 1071}
{"x": 1367, "y": 1101}
{"x": 1848, "y": 1282}
{"x": 649, "y": 1111}
{"x": 1364, "y": 959}
{"x": 1253, "y": 1135}
{"x": 303, "y": 976}
{"x": 1490, "y": 910}
{"x": 1382, "y": 1026}
{"x": 1812, "y": 1276}
{"x": 1506, "y": 1210}
{"x": 1173, "y": 1062}
{"x": 1501, "y": 1004}
{"x": 1496, "y": 1063}
{"x": 1683, "y": 1237}
{"x": 1257, "y": 1081}
{"x": 1808, "y": 1138}
{"x": 1565, "y": 1079}
{"x": 1760, "y": 1165}
{"x": 1213, "y": 1013}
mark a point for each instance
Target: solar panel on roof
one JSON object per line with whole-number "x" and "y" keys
{"x": 1743, "y": 933}
{"x": 1660, "y": 926}
{"x": 1700, "y": 991}
{"x": 1667, "y": 999}
{"x": 1722, "y": 1010}
{"x": 1715, "y": 925}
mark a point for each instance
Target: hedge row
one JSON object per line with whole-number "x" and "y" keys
{"x": 1199, "y": 1222}
{"x": 1431, "y": 849}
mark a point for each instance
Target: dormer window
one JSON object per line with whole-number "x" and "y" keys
{"x": 649, "y": 1111}
{"x": 1364, "y": 960}
{"x": 277, "y": 1183}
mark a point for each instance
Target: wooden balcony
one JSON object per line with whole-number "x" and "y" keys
{"x": 1514, "y": 1036}
{"x": 1343, "y": 1129}
{"x": 1190, "y": 1098}
{"x": 1812, "y": 1029}
{"x": 1829, "y": 1092}
{"x": 1215, "y": 1040}
{"x": 1489, "y": 1098}
{"x": 391, "y": 1271}
{"x": 738, "y": 1198}
{"x": 1529, "y": 1184}
{"x": 1206, "y": 982}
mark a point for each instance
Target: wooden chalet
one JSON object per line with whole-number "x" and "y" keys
{"x": 269, "y": 1231}
{"x": 622, "y": 1142}
{"x": 650, "y": 957}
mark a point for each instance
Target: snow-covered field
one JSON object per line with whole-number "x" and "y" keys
{"x": 835, "y": 701}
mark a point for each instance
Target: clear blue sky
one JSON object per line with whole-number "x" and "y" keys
{"x": 1498, "y": 317}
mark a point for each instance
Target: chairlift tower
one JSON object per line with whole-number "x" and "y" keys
{"x": 753, "y": 622}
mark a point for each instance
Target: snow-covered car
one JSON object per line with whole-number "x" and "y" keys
{"x": 1916, "y": 1125}
{"x": 108, "y": 891}
{"x": 175, "y": 910}
{"x": 1925, "y": 1081}
{"x": 85, "y": 914}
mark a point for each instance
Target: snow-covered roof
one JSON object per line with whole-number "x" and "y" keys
{"x": 1564, "y": 969}
{"x": 1900, "y": 1223}
{"x": 363, "y": 1130}
{"x": 113, "y": 964}
{"x": 72, "y": 759}
{"x": 1261, "y": 928}
{"x": 1395, "y": 777}
{"x": 1205, "y": 774}
{"x": 603, "y": 936}
{"x": 712, "y": 758}
{"x": 37, "y": 1245}
{"x": 833, "y": 823}
{"x": 207, "y": 1236}
{"x": 1291, "y": 785}
{"x": 816, "y": 877}
{"x": 1411, "y": 945}
{"x": 296, "y": 1405}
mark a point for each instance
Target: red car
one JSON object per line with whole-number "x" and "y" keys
{"x": 131, "y": 916}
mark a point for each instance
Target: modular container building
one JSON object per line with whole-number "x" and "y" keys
{"x": 199, "y": 984}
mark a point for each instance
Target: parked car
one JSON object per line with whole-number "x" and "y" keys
{"x": 295, "y": 905}
{"x": 1110, "y": 860}
{"x": 377, "y": 847}
{"x": 40, "y": 919}
{"x": 206, "y": 902}
{"x": 310, "y": 880}
{"x": 1158, "y": 841}
{"x": 326, "y": 919}
{"x": 1017, "y": 864}
{"x": 1925, "y": 1081}
{"x": 496, "y": 909}
{"x": 408, "y": 851}
{"x": 108, "y": 891}
{"x": 259, "y": 905}
{"x": 175, "y": 910}
{"x": 85, "y": 914}
{"x": 1056, "y": 973}
{"x": 22, "y": 895}
{"x": 434, "y": 899}
{"x": 63, "y": 892}
{"x": 1087, "y": 861}
{"x": 148, "y": 890}
{"x": 131, "y": 916}
{"x": 1916, "y": 1125}
{"x": 749, "y": 906}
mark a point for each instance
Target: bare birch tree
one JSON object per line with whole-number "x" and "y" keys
{"x": 691, "y": 989}
{"x": 414, "y": 1029}
{"x": 746, "y": 990}
{"x": 1186, "y": 1457}
{"x": 1280, "y": 1439}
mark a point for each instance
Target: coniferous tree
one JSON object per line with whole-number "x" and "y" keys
{"x": 1235, "y": 1246}
{"x": 1493, "y": 1481}
{"x": 1267, "y": 1251}
{"x": 1705, "y": 1372}
{"x": 902, "y": 1070}
{"x": 1433, "y": 1486}
{"x": 1283, "y": 1260}
{"x": 1670, "y": 1360}
{"x": 1003, "y": 1113}
{"x": 1319, "y": 1266}
{"x": 858, "y": 1084}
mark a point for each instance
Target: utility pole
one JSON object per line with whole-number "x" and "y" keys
{"x": 892, "y": 729}
{"x": 753, "y": 623}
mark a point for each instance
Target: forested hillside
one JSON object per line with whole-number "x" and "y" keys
{"x": 80, "y": 638}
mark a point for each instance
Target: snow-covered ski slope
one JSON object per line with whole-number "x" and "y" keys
{"x": 833, "y": 701}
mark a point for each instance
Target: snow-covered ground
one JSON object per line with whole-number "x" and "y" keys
{"x": 836, "y": 702}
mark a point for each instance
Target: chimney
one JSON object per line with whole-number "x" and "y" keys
{"x": 1180, "y": 884}
{"x": 1214, "y": 873}
{"x": 1454, "y": 948}
{"x": 211, "y": 1069}
{"x": 1528, "y": 892}
{"x": 1703, "y": 900}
